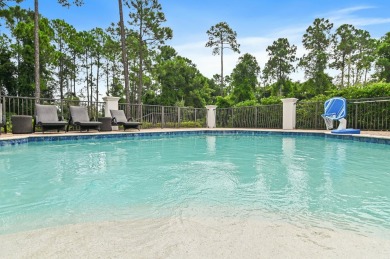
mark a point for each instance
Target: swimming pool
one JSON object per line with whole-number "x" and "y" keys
{"x": 299, "y": 179}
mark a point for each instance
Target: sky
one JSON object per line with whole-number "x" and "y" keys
{"x": 257, "y": 23}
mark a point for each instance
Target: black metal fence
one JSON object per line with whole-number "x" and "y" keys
{"x": 265, "y": 116}
{"x": 156, "y": 116}
{"x": 13, "y": 105}
{"x": 364, "y": 114}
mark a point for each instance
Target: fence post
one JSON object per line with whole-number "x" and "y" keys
{"x": 316, "y": 120}
{"x": 289, "y": 113}
{"x": 256, "y": 116}
{"x": 232, "y": 117}
{"x": 4, "y": 107}
{"x": 211, "y": 111}
{"x": 178, "y": 116}
{"x": 111, "y": 103}
{"x": 142, "y": 112}
{"x": 356, "y": 115}
{"x": 162, "y": 117}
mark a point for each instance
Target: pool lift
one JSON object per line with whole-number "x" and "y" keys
{"x": 336, "y": 110}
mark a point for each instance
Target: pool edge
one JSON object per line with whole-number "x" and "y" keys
{"x": 18, "y": 140}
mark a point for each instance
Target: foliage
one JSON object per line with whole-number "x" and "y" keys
{"x": 344, "y": 44}
{"x": 247, "y": 103}
{"x": 280, "y": 63}
{"x": 224, "y": 102}
{"x": 146, "y": 17}
{"x": 221, "y": 37}
{"x": 271, "y": 100}
{"x": 244, "y": 78}
{"x": 383, "y": 63}
{"x": 316, "y": 40}
{"x": 379, "y": 89}
{"x": 180, "y": 81}
{"x": 191, "y": 124}
{"x": 70, "y": 58}
{"x": 7, "y": 68}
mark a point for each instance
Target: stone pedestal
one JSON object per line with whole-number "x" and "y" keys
{"x": 289, "y": 113}
{"x": 111, "y": 104}
{"x": 211, "y": 111}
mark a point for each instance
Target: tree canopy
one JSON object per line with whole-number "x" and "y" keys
{"x": 221, "y": 37}
{"x": 80, "y": 63}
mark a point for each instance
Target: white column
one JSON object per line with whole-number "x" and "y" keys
{"x": 111, "y": 104}
{"x": 289, "y": 113}
{"x": 211, "y": 116}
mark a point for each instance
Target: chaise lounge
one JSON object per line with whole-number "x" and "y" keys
{"x": 119, "y": 119}
{"x": 79, "y": 117}
{"x": 46, "y": 118}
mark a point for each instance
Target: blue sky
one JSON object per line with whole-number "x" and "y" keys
{"x": 257, "y": 22}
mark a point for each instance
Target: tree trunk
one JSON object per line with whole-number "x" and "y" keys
{"x": 365, "y": 76}
{"x": 222, "y": 81}
{"x": 61, "y": 77}
{"x": 107, "y": 77}
{"x": 74, "y": 75}
{"x": 140, "y": 64}
{"x": 349, "y": 73}
{"x": 342, "y": 71}
{"x": 91, "y": 84}
{"x": 36, "y": 55}
{"x": 140, "y": 78}
{"x": 113, "y": 76}
{"x": 87, "y": 76}
{"x": 124, "y": 59}
{"x": 97, "y": 85}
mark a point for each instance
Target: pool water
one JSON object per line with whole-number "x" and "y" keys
{"x": 314, "y": 180}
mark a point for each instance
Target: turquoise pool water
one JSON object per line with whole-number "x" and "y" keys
{"x": 314, "y": 180}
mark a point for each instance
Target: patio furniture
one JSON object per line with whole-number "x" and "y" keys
{"x": 119, "y": 119}
{"x": 47, "y": 118}
{"x": 106, "y": 124}
{"x": 21, "y": 124}
{"x": 335, "y": 109}
{"x": 79, "y": 118}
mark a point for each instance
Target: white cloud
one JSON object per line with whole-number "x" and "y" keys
{"x": 349, "y": 10}
{"x": 349, "y": 16}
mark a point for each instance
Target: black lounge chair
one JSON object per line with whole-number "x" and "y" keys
{"x": 46, "y": 118}
{"x": 119, "y": 119}
{"x": 79, "y": 118}
{"x": 3, "y": 122}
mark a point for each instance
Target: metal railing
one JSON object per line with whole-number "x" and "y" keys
{"x": 264, "y": 116}
{"x": 13, "y": 105}
{"x": 364, "y": 114}
{"x": 156, "y": 116}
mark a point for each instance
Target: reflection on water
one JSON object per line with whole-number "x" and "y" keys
{"x": 297, "y": 175}
{"x": 211, "y": 141}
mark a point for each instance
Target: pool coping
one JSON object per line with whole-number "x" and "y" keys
{"x": 50, "y": 137}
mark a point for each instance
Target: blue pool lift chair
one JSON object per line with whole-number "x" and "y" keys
{"x": 336, "y": 110}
